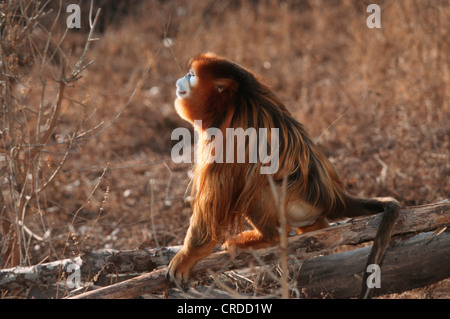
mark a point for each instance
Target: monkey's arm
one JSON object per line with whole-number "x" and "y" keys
{"x": 198, "y": 244}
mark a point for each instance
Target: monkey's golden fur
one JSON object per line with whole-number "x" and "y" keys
{"x": 226, "y": 195}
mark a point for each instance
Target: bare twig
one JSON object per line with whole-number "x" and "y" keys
{"x": 280, "y": 200}
{"x": 152, "y": 219}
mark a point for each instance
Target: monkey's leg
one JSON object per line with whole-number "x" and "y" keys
{"x": 196, "y": 247}
{"x": 257, "y": 239}
{"x": 320, "y": 223}
{"x": 265, "y": 233}
{"x": 250, "y": 239}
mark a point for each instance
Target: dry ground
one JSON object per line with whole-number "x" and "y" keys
{"x": 377, "y": 101}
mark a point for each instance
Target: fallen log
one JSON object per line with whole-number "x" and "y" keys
{"x": 411, "y": 221}
{"x": 419, "y": 261}
{"x": 90, "y": 265}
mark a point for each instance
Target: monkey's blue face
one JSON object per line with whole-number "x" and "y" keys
{"x": 185, "y": 84}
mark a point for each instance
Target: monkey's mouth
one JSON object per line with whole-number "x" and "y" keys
{"x": 181, "y": 93}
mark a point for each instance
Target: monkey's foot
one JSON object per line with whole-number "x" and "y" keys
{"x": 248, "y": 239}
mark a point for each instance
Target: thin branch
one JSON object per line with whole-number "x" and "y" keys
{"x": 58, "y": 169}
{"x": 152, "y": 219}
{"x": 78, "y": 67}
{"x": 55, "y": 114}
{"x": 280, "y": 200}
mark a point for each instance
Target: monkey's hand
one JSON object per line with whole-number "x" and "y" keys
{"x": 180, "y": 268}
{"x": 181, "y": 265}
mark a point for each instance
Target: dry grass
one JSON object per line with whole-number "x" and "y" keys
{"x": 376, "y": 100}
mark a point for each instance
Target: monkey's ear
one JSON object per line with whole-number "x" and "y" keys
{"x": 223, "y": 84}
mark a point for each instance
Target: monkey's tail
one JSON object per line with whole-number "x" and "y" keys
{"x": 354, "y": 206}
{"x": 360, "y": 207}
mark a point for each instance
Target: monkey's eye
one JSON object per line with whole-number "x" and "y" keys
{"x": 192, "y": 78}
